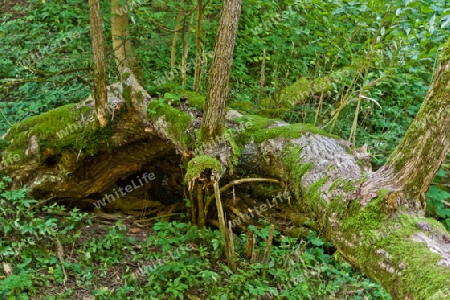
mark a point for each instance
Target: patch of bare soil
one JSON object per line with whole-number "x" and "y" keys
{"x": 13, "y": 7}
{"x": 101, "y": 225}
{"x": 244, "y": 206}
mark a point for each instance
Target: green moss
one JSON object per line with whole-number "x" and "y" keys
{"x": 290, "y": 156}
{"x": 217, "y": 142}
{"x": 334, "y": 185}
{"x": 254, "y": 122}
{"x": 337, "y": 207}
{"x": 257, "y": 127}
{"x": 367, "y": 219}
{"x": 394, "y": 237}
{"x": 348, "y": 186}
{"x": 273, "y": 113}
{"x": 300, "y": 91}
{"x": 379, "y": 232}
{"x": 233, "y": 161}
{"x": 414, "y": 257}
{"x": 140, "y": 97}
{"x": 199, "y": 164}
{"x": 85, "y": 110}
{"x": 195, "y": 99}
{"x": 126, "y": 94}
{"x": 312, "y": 196}
{"x": 245, "y": 107}
{"x": 374, "y": 231}
{"x": 125, "y": 76}
{"x": 65, "y": 127}
{"x": 295, "y": 170}
{"x": 298, "y": 170}
{"x": 178, "y": 122}
{"x": 297, "y": 92}
{"x": 445, "y": 52}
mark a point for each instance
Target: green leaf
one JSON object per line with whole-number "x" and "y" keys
{"x": 426, "y": 9}
{"x": 443, "y": 212}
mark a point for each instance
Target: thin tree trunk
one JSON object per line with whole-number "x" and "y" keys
{"x": 200, "y": 206}
{"x": 262, "y": 81}
{"x": 198, "y": 30}
{"x": 173, "y": 50}
{"x": 123, "y": 52}
{"x": 100, "y": 95}
{"x": 185, "y": 49}
{"x": 213, "y": 122}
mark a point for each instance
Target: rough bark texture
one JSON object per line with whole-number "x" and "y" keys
{"x": 185, "y": 48}
{"x": 213, "y": 123}
{"x": 411, "y": 168}
{"x": 123, "y": 52}
{"x": 173, "y": 49}
{"x": 198, "y": 31}
{"x": 407, "y": 253}
{"x": 100, "y": 95}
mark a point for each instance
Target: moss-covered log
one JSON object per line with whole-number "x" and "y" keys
{"x": 65, "y": 154}
{"x": 408, "y": 254}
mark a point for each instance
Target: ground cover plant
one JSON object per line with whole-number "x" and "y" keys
{"x": 167, "y": 260}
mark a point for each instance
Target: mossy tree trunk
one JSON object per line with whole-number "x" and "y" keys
{"x": 99, "y": 61}
{"x": 379, "y": 225}
{"x": 411, "y": 168}
{"x": 213, "y": 123}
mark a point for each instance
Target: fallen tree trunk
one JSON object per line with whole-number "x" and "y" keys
{"x": 64, "y": 154}
{"x": 375, "y": 219}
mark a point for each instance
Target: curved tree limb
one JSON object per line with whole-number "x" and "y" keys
{"x": 15, "y": 81}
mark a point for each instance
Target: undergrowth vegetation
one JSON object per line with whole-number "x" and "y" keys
{"x": 174, "y": 260}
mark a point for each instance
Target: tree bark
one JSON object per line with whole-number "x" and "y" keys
{"x": 99, "y": 61}
{"x": 412, "y": 166}
{"x": 213, "y": 123}
{"x": 198, "y": 30}
{"x": 173, "y": 49}
{"x": 185, "y": 49}
{"x": 123, "y": 52}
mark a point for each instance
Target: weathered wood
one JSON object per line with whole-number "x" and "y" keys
{"x": 100, "y": 94}
{"x": 64, "y": 154}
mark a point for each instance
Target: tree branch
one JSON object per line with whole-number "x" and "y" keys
{"x": 14, "y": 81}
